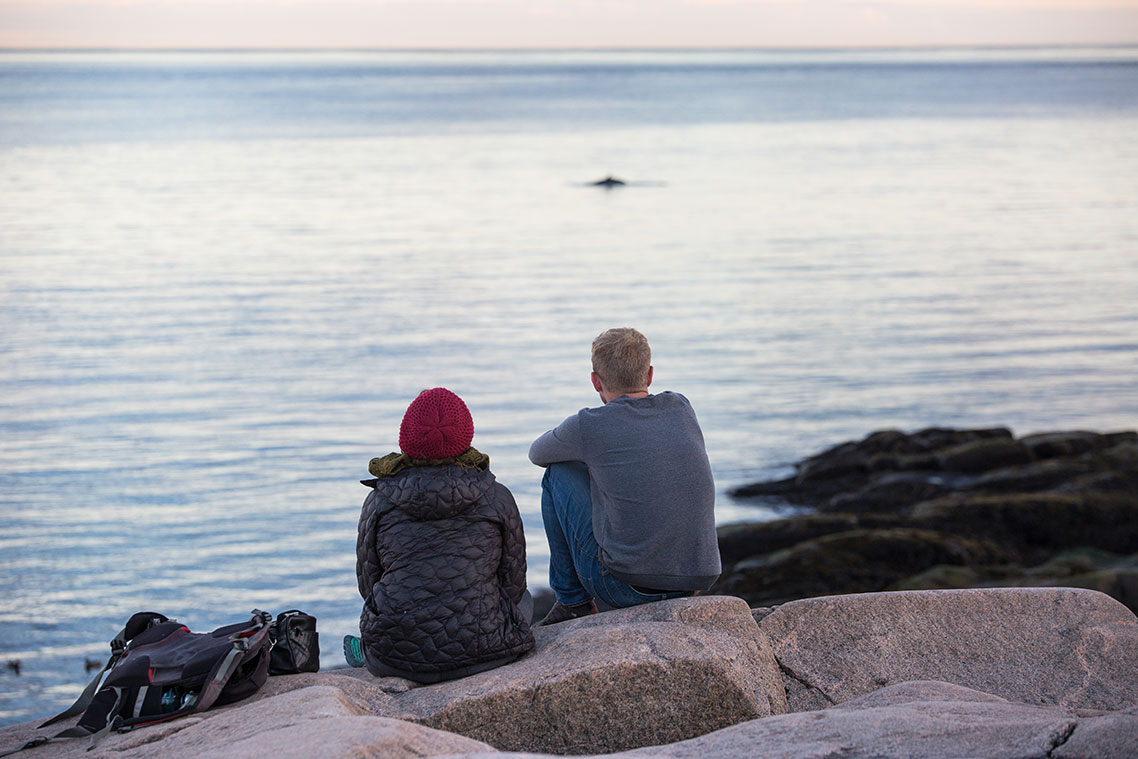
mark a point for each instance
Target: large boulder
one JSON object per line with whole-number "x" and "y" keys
{"x": 909, "y": 721}
{"x": 918, "y": 720}
{"x": 1045, "y": 646}
{"x": 314, "y": 721}
{"x": 641, "y": 676}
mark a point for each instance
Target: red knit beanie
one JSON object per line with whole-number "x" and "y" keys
{"x": 437, "y": 425}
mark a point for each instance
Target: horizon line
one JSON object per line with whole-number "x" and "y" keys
{"x": 563, "y": 49}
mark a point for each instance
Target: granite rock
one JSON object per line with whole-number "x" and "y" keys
{"x": 313, "y": 721}
{"x": 905, "y": 721}
{"x": 1109, "y": 736}
{"x": 1043, "y": 646}
{"x": 633, "y": 677}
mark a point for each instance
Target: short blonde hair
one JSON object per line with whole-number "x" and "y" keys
{"x": 621, "y": 358}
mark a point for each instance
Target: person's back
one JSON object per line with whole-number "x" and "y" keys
{"x": 440, "y": 556}
{"x": 628, "y": 497}
{"x": 651, "y": 485}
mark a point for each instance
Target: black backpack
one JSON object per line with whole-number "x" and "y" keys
{"x": 159, "y": 670}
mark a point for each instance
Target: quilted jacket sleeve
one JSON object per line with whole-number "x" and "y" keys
{"x": 512, "y": 570}
{"x": 368, "y": 566}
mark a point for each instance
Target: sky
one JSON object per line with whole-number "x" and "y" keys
{"x": 560, "y": 23}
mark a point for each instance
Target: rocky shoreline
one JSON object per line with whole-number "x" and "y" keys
{"x": 945, "y": 509}
{"x": 819, "y": 643}
{"x": 1047, "y": 673}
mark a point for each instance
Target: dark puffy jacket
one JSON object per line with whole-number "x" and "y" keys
{"x": 441, "y": 563}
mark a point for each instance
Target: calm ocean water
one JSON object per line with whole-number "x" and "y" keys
{"x": 223, "y": 276}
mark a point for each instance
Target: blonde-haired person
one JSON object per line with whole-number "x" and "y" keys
{"x": 627, "y": 497}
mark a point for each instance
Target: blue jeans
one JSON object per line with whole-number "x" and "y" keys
{"x": 576, "y": 572}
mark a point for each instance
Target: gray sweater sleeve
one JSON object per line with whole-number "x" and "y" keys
{"x": 563, "y": 443}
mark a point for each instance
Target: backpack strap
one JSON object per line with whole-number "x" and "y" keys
{"x": 227, "y": 666}
{"x": 39, "y": 741}
{"x": 118, "y": 645}
{"x": 71, "y": 732}
{"x": 136, "y": 624}
{"x": 30, "y": 744}
{"x": 113, "y": 723}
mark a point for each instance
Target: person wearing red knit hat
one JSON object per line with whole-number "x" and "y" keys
{"x": 440, "y": 555}
{"x": 437, "y": 425}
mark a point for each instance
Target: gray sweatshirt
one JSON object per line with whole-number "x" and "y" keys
{"x": 652, "y": 491}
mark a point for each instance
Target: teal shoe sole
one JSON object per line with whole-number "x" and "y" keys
{"x": 353, "y": 651}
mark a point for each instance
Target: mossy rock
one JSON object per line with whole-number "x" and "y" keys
{"x": 1037, "y": 525}
{"x": 945, "y": 508}
{"x": 949, "y": 577}
{"x": 980, "y": 456}
{"x": 739, "y": 541}
{"x": 1033, "y": 477}
{"x": 1074, "y": 443}
{"x": 856, "y": 561}
{"x": 889, "y": 493}
{"x": 893, "y": 450}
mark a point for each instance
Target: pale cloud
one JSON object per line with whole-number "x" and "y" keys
{"x": 993, "y": 5}
{"x": 561, "y": 23}
{"x": 874, "y": 16}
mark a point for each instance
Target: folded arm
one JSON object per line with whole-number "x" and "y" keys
{"x": 562, "y": 443}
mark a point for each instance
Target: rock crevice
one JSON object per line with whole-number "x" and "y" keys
{"x": 1061, "y": 737}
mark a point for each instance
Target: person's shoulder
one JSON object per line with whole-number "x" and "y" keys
{"x": 671, "y": 398}
{"x": 581, "y": 415}
{"x": 503, "y": 494}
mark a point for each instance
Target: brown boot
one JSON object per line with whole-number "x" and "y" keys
{"x": 562, "y": 613}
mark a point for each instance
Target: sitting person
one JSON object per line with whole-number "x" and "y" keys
{"x": 627, "y": 499}
{"x": 440, "y": 555}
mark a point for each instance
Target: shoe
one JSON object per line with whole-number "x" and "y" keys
{"x": 353, "y": 651}
{"x": 562, "y": 613}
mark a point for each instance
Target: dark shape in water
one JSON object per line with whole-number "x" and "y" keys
{"x": 609, "y": 182}
{"x": 91, "y": 664}
{"x": 14, "y": 665}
